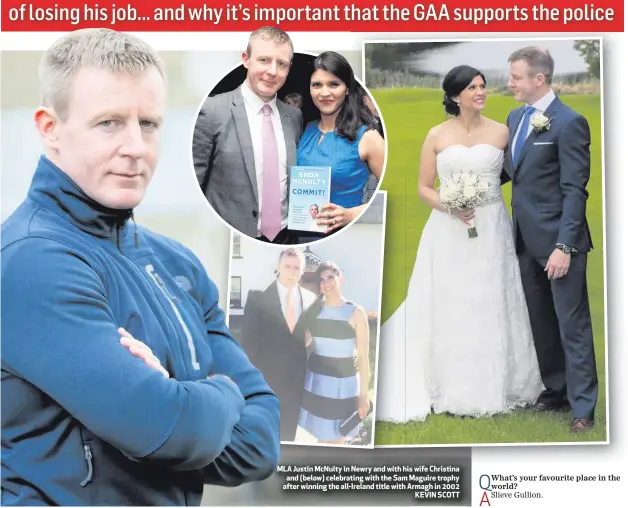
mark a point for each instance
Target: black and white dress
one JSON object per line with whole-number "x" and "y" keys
{"x": 332, "y": 381}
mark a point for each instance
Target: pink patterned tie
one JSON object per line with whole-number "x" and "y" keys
{"x": 271, "y": 201}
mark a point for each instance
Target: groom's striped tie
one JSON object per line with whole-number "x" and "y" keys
{"x": 523, "y": 133}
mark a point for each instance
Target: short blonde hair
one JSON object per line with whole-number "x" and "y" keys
{"x": 538, "y": 59}
{"x": 101, "y": 48}
{"x": 269, "y": 33}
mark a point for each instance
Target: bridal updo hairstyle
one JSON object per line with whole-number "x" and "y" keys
{"x": 353, "y": 112}
{"x": 456, "y": 80}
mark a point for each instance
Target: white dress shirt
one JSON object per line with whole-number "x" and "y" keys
{"x": 297, "y": 305}
{"x": 541, "y": 105}
{"x": 253, "y": 106}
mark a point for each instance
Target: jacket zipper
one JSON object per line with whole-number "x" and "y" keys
{"x": 135, "y": 235}
{"x": 118, "y": 230}
{"x": 155, "y": 277}
{"x": 169, "y": 323}
{"x": 119, "y": 226}
{"x": 90, "y": 467}
{"x": 162, "y": 287}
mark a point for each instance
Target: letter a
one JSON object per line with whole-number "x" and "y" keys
{"x": 485, "y": 497}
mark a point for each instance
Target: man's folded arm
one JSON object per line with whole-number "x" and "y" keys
{"x": 59, "y": 334}
{"x": 253, "y": 452}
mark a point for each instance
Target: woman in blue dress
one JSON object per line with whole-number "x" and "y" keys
{"x": 345, "y": 137}
{"x": 338, "y": 368}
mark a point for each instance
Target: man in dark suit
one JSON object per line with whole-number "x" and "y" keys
{"x": 273, "y": 336}
{"x": 548, "y": 161}
{"x": 245, "y": 141}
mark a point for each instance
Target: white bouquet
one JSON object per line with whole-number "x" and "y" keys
{"x": 463, "y": 191}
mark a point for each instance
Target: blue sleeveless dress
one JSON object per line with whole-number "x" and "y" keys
{"x": 331, "y": 381}
{"x": 348, "y": 172}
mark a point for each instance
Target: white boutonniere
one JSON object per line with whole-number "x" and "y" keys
{"x": 540, "y": 122}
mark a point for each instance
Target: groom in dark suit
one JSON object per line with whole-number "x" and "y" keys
{"x": 273, "y": 336}
{"x": 548, "y": 161}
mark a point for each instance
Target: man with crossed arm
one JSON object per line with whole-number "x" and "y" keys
{"x": 119, "y": 387}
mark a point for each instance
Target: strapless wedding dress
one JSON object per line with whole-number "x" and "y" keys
{"x": 461, "y": 342}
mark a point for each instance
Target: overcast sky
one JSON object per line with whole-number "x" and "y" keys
{"x": 490, "y": 56}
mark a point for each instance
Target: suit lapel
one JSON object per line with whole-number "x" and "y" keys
{"x": 553, "y": 108}
{"x": 288, "y": 137}
{"x": 304, "y": 308}
{"x": 533, "y": 134}
{"x": 274, "y": 305}
{"x": 517, "y": 115}
{"x": 526, "y": 146}
{"x": 288, "y": 134}
{"x": 244, "y": 136}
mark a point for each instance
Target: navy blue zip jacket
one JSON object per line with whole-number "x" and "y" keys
{"x": 84, "y": 422}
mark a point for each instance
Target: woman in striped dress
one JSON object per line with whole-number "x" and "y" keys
{"x": 338, "y": 369}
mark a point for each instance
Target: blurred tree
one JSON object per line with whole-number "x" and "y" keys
{"x": 397, "y": 64}
{"x": 590, "y": 52}
{"x": 392, "y": 56}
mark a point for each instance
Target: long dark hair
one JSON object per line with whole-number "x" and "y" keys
{"x": 456, "y": 80}
{"x": 353, "y": 112}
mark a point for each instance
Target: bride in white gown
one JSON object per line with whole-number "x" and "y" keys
{"x": 461, "y": 343}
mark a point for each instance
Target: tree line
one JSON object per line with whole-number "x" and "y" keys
{"x": 398, "y": 65}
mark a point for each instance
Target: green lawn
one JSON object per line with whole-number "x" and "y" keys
{"x": 408, "y": 115}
